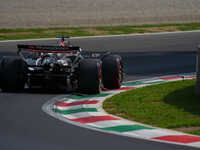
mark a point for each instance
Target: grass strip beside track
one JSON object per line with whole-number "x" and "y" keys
{"x": 35, "y": 33}
{"x": 170, "y": 105}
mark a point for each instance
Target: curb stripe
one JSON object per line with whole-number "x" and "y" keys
{"x": 121, "y": 89}
{"x": 156, "y": 132}
{"x": 126, "y": 128}
{"x": 94, "y": 119}
{"x": 109, "y": 123}
{"x": 133, "y": 84}
{"x": 172, "y": 78}
{"x": 89, "y": 96}
{"x": 84, "y": 114}
{"x": 67, "y": 112}
{"x": 76, "y": 103}
{"x": 156, "y": 82}
{"x": 143, "y": 83}
{"x": 190, "y": 77}
{"x": 179, "y": 138}
{"x": 75, "y": 107}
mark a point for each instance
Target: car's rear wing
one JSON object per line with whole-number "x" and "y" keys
{"x": 48, "y": 49}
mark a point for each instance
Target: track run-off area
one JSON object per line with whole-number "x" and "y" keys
{"x": 24, "y": 125}
{"x": 87, "y": 110}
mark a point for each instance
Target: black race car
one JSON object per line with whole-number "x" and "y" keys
{"x": 60, "y": 67}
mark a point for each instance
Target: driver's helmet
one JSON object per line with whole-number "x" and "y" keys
{"x": 63, "y": 43}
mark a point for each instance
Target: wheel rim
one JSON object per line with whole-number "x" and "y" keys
{"x": 120, "y": 71}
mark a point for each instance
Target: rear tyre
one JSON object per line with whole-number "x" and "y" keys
{"x": 89, "y": 76}
{"x": 12, "y": 74}
{"x": 112, "y": 72}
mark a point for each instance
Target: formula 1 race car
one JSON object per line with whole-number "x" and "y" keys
{"x": 60, "y": 67}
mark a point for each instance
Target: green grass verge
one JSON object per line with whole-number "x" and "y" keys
{"x": 167, "y": 105}
{"x": 196, "y": 132}
{"x": 33, "y": 33}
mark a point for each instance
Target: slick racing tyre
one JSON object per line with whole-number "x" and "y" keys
{"x": 89, "y": 76}
{"x": 112, "y": 72}
{"x": 12, "y": 74}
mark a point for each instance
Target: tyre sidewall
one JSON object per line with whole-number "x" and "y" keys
{"x": 13, "y": 74}
{"x": 111, "y": 72}
{"x": 89, "y": 76}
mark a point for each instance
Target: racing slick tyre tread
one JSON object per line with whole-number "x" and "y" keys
{"x": 112, "y": 72}
{"x": 12, "y": 74}
{"x": 89, "y": 76}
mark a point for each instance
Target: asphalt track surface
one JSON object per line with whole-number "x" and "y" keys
{"x": 24, "y": 126}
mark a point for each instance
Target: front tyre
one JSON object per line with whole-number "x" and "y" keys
{"x": 89, "y": 81}
{"x": 112, "y": 72}
{"x": 12, "y": 74}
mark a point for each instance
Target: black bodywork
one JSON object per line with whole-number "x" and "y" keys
{"x": 61, "y": 67}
